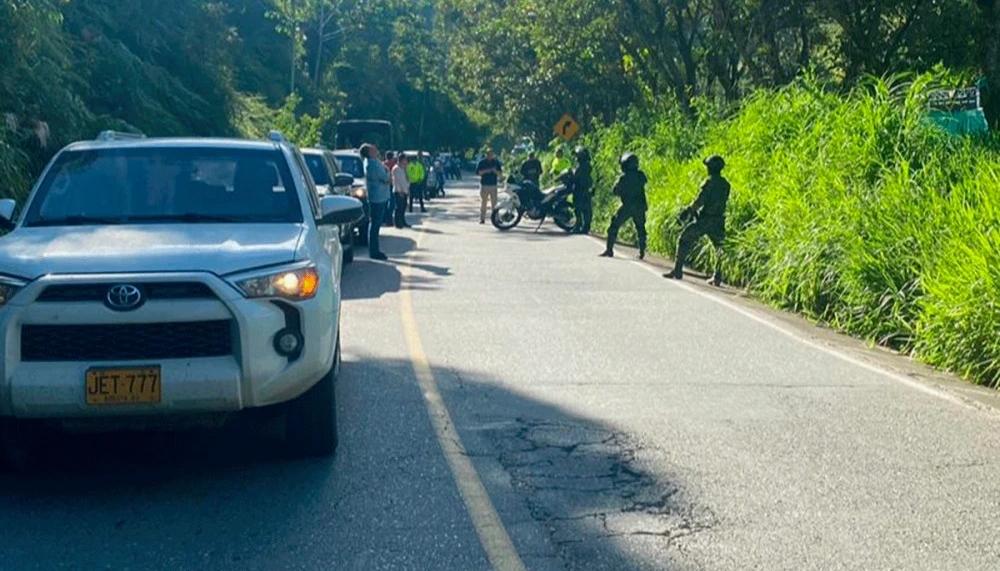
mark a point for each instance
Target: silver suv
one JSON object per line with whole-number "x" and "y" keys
{"x": 156, "y": 282}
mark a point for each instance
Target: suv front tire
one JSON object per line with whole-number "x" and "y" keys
{"x": 311, "y": 419}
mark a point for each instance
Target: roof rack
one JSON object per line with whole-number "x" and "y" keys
{"x": 275, "y": 136}
{"x": 119, "y": 136}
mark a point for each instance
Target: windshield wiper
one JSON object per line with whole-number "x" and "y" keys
{"x": 187, "y": 217}
{"x": 75, "y": 221}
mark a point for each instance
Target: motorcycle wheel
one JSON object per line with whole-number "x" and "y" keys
{"x": 564, "y": 217}
{"x": 505, "y": 218}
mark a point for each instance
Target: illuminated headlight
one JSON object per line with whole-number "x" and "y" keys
{"x": 8, "y": 288}
{"x": 359, "y": 192}
{"x": 295, "y": 285}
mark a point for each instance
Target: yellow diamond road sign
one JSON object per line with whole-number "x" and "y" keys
{"x": 567, "y": 127}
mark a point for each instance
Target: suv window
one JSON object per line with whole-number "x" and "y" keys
{"x": 311, "y": 191}
{"x": 317, "y": 168}
{"x": 165, "y": 185}
{"x": 352, "y": 165}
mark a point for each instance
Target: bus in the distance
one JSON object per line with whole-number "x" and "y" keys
{"x": 351, "y": 134}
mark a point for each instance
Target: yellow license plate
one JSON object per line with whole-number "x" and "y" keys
{"x": 140, "y": 385}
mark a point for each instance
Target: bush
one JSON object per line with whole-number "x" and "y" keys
{"x": 851, "y": 209}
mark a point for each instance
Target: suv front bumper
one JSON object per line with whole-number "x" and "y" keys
{"x": 252, "y": 374}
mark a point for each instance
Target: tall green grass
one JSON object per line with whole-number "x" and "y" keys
{"x": 849, "y": 208}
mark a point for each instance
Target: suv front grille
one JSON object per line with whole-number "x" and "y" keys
{"x": 150, "y": 291}
{"x": 126, "y": 342}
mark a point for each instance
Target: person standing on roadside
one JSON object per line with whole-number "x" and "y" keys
{"x": 631, "y": 189}
{"x": 583, "y": 201}
{"x": 531, "y": 170}
{"x": 390, "y": 163}
{"x": 560, "y": 163}
{"x": 401, "y": 190}
{"x": 377, "y": 182}
{"x": 439, "y": 176}
{"x": 708, "y": 212}
{"x": 489, "y": 170}
{"x": 417, "y": 175}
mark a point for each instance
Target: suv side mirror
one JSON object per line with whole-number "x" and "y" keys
{"x": 340, "y": 210}
{"x": 7, "y": 207}
{"x": 343, "y": 179}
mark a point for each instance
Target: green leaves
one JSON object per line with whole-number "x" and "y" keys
{"x": 851, "y": 209}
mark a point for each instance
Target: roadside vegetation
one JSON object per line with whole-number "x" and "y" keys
{"x": 849, "y": 208}
{"x": 71, "y": 68}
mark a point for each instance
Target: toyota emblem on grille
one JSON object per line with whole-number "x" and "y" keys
{"x": 124, "y": 297}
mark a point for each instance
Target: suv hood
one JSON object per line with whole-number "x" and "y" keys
{"x": 217, "y": 248}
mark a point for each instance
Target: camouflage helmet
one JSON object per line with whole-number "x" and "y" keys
{"x": 715, "y": 163}
{"x": 629, "y": 162}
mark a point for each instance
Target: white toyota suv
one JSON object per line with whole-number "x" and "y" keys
{"x": 147, "y": 283}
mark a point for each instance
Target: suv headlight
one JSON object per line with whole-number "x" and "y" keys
{"x": 296, "y": 285}
{"x": 8, "y": 287}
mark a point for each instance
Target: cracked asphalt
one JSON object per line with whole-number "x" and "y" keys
{"x": 617, "y": 421}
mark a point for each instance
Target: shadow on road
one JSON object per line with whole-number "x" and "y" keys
{"x": 424, "y": 230}
{"x": 528, "y": 232}
{"x": 368, "y": 279}
{"x": 572, "y": 491}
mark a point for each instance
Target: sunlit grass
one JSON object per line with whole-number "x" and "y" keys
{"x": 850, "y": 209}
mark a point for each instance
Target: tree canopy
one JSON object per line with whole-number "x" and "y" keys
{"x": 445, "y": 72}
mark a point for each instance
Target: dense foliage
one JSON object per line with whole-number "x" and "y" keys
{"x": 852, "y": 209}
{"x": 69, "y": 68}
{"x": 594, "y": 58}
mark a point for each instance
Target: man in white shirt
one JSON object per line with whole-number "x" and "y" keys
{"x": 401, "y": 188}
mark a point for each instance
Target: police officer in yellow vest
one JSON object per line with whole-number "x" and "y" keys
{"x": 417, "y": 175}
{"x": 560, "y": 163}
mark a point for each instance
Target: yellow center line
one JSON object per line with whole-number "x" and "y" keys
{"x": 492, "y": 534}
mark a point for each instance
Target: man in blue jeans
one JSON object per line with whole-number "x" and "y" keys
{"x": 377, "y": 181}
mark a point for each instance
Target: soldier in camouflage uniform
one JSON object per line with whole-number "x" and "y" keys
{"x": 583, "y": 202}
{"x": 631, "y": 189}
{"x": 709, "y": 215}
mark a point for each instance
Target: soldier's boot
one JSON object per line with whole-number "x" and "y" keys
{"x": 682, "y": 253}
{"x": 716, "y": 279}
{"x": 675, "y": 274}
{"x": 609, "y": 251}
{"x": 684, "y": 246}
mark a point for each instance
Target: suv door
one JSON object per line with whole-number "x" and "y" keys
{"x": 329, "y": 235}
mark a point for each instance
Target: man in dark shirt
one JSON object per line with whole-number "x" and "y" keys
{"x": 709, "y": 214}
{"x": 583, "y": 202}
{"x": 532, "y": 169}
{"x": 631, "y": 189}
{"x": 489, "y": 171}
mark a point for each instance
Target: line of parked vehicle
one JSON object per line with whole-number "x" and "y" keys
{"x": 169, "y": 283}
{"x": 342, "y": 172}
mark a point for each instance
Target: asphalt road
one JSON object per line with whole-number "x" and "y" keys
{"x": 615, "y": 420}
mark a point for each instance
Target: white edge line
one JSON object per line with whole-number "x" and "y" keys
{"x": 935, "y": 392}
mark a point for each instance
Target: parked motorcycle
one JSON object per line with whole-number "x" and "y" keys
{"x": 524, "y": 198}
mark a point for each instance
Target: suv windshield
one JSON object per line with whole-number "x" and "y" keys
{"x": 351, "y": 165}
{"x": 166, "y": 185}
